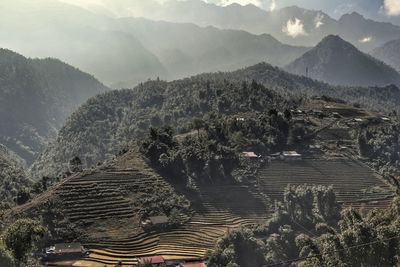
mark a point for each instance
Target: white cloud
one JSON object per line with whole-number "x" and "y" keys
{"x": 294, "y": 28}
{"x": 366, "y": 39}
{"x": 258, "y": 3}
{"x": 272, "y": 6}
{"x": 392, "y": 7}
{"x": 319, "y": 20}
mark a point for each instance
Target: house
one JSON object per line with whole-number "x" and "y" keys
{"x": 193, "y": 264}
{"x": 154, "y": 260}
{"x": 291, "y": 155}
{"x": 250, "y": 155}
{"x": 65, "y": 251}
{"x": 160, "y": 221}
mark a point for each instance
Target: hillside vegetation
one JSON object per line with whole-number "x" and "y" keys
{"x": 36, "y": 97}
{"x": 111, "y": 121}
{"x": 15, "y": 185}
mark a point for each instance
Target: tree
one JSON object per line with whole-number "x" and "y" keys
{"x": 22, "y": 236}
{"x": 23, "y": 196}
{"x": 75, "y": 164}
{"x": 287, "y": 114}
{"x": 197, "y": 125}
{"x": 6, "y": 259}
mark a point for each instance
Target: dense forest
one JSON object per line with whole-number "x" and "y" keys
{"x": 111, "y": 121}
{"x": 309, "y": 229}
{"x": 15, "y": 186}
{"x": 118, "y": 118}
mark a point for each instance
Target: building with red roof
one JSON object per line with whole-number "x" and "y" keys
{"x": 193, "y": 264}
{"x": 155, "y": 260}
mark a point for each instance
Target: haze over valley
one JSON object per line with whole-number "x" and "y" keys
{"x": 199, "y": 133}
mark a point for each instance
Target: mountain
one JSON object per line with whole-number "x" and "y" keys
{"x": 74, "y": 35}
{"x": 206, "y": 49}
{"x": 36, "y": 97}
{"x": 13, "y": 178}
{"x": 292, "y": 25}
{"x": 124, "y": 52}
{"x": 389, "y": 53}
{"x": 110, "y": 122}
{"x": 338, "y": 62}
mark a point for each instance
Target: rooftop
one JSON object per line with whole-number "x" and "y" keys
{"x": 154, "y": 260}
{"x": 162, "y": 219}
{"x": 67, "y": 248}
{"x": 249, "y": 155}
{"x": 193, "y": 264}
{"x": 291, "y": 154}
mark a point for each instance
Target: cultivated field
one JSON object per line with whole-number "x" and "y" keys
{"x": 353, "y": 182}
{"x": 104, "y": 203}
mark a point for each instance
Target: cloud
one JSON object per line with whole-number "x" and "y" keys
{"x": 272, "y": 6}
{"x": 366, "y": 39}
{"x": 294, "y": 28}
{"x": 392, "y": 7}
{"x": 258, "y": 3}
{"x": 319, "y": 20}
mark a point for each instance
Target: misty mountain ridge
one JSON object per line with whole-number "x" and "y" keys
{"x": 389, "y": 53}
{"x": 125, "y": 52}
{"x": 338, "y": 62}
{"x": 36, "y": 97}
{"x": 292, "y": 25}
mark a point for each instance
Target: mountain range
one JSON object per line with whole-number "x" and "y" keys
{"x": 336, "y": 61}
{"x": 292, "y": 25}
{"x": 124, "y": 52}
{"x": 36, "y": 97}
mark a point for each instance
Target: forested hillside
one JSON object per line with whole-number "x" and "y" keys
{"x": 36, "y": 96}
{"x": 109, "y": 122}
{"x": 14, "y": 184}
{"x": 336, "y": 61}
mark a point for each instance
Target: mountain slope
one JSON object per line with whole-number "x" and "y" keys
{"x": 125, "y": 52}
{"x": 36, "y": 96}
{"x": 13, "y": 178}
{"x": 336, "y": 61}
{"x": 81, "y": 38}
{"x": 207, "y": 49}
{"x": 109, "y": 122}
{"x": 389, "y": 53}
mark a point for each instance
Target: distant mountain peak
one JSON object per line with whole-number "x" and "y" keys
{"x": 337, "y": 61}
{"x": 335, "y": 42}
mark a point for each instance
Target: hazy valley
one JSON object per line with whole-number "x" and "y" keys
{"x": 198, "y": 133}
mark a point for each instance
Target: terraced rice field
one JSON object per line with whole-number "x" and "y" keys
{"x": 218, "y": 211}
{"x": 101, "y": 201}
{"x": 353, "y": 182}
